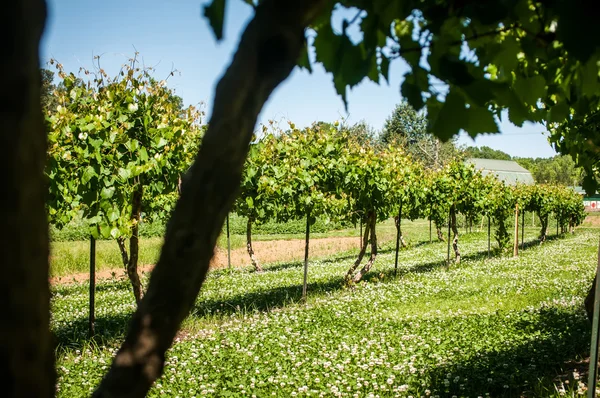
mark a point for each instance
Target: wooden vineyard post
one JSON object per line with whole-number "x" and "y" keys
{"x": 448, "y": 255}
{"x": 92, "y": 316}
{"x": 228, "y": 245}
{"x": 523, "y": 230}
{"x": 593, "y": 371}
{"x": 398, "y": 239}
{"x": 516, "y": 242}
{"x": 489, "y": 234}
{"x": 430, "y": 231}
{"x": 360, "y": 242}
{"x": 304, "y": 285}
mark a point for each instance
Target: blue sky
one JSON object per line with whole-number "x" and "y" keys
{"x": 172, "y": 33}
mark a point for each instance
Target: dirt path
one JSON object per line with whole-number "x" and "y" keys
{"x": 266, "y": 252}
{"x": 592, "y": 221}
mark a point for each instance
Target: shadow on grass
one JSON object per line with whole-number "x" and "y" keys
{"x": 529, "y": 370}
{"x": 112, "y": 328}
{"x": 269, "y": 299}
{"x": 274, "y": 298}
{"x": 75, "y": 335}
{"x": 262, "y": 300}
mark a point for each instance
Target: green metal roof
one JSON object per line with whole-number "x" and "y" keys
{"x": 508, "y": 171}
{"x": 581, "y": 191}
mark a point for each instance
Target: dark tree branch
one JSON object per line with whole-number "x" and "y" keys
{"x": 399, "y": 51}
{"x": 267, "y": 53}
{"x": 26, "y": 346}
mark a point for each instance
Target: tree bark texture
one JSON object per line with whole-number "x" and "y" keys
{"x": 134, "y": 246}
{"x": 267, "y": 53}
{"x": 398, "y": 222}
{"x": 589, "y": 300}
{"x": 253, "y": 259}
{"x": 365, "y": 241}
{"x": 369, "y": 263}
{"x": 26, "y": 344}
{"x": 455, "y": 233}
{"x": 306, "y": 243}
{"x": 130, "y": 260}
{"x": 543, "y": 231}
{"x": 440, "y": 234}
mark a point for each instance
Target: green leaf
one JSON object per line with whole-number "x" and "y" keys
{"x": 412, "y": 92}
{"x": 346, "y": 61}
{"x": 450, "y": 119}
{"x": 590, "y": 83}
{"x": 384, "y": 68}
{"x": 578, "y": 28}
{"x": 107, "y": 193}
{"x": 530, "y": 89}
{"x": 113, "y": 214}
{"x": 125, "y": 174}
{"x": 410, "y": 51}
{"x": 93, "y": 229}
{"x": 161, "y": 142}
{"x": 143, "y": 154}
{"x": 88, "y": 174}
{"x": 506, "y": 58}
{"x": 96, "y": 143}
{"x": 215, "y": 13}
{"x": 115, "y": 233}
{"x": 304, "y": 60}
{"x": 105, "y": 230}
{"x": 454, "y": 70}
{"x": 480, "y": 120}
{"x": 559, "y": 113}
{"x": 250, "y": 202}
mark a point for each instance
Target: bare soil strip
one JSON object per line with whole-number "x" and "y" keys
{"x": 266, "y": 252}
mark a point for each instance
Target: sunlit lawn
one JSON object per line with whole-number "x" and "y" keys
{"x": 502, "y": 327}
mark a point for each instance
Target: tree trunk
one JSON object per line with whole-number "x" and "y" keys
{"x": 369, "y": 263}
{"x": 253, "y": 259}
{"x": 543, "y": 231}
{"x": 26, "y": 344}
{"x": 571, "y": 226}
{"x": 398, "y": 222}
{"x": 440, "y": 234}
{"x": 267, "y": 53}
{"x": 123, "y": 251}
{"x": 130, "y": 261}
{"x": 455, "y": 232}
{"x": 436, "y": 154}
{"x": 306, "y": 242}
{"x": 361, "y": 254}
{"x": 589, "y": 300}
{"x": 134, "y": 247}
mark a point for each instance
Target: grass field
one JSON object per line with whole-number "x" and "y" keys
{"x": 500, "y": 327}
{"x": 71, "y": 257}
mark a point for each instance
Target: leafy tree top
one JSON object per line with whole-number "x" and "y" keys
{"x": 111, "y": 136}
{"x": 485, "y": 152}
{"x": 405, "y": 125}
{"x": 537, "y": 59}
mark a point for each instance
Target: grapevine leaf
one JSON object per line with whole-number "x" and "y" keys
{"x": 215, "y": 13}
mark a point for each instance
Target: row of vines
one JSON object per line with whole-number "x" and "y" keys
{"x": 328, "y": 173}
{"x": 119, "y": 146}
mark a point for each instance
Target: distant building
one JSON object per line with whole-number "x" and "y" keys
{"x": 590, "y": 202}
{"x": 508, "y": 171}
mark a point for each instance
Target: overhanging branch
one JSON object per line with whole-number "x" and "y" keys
{"x": 266, "y": 55}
